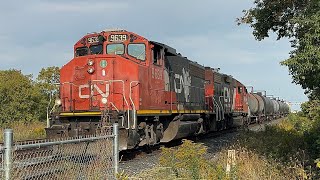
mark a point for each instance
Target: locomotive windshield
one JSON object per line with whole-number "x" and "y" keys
{"x": 96, "y": 49}
{"x": 138, "y": 51}
{"x": 82, "y": 51}
{"x": 115, "y": 49}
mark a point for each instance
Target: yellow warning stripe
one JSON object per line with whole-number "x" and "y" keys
{"x": 171, "y": 112}
{"x": 98, "y": 113}
{"x": 139, "y": 112}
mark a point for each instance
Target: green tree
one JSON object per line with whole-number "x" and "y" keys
{"x": 311, "y": 109}
{"x": 298, "y": 20}
{"x": 47, "y": 83}
{"x": 19, "y": 98}
{"x": 48, "y": 79}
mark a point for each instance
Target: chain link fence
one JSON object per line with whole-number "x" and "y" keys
{"x": 81, "y": 158}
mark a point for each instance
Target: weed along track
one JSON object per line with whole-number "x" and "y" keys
{"x": 43, "y": 158}
{"x": 134, "y": 162}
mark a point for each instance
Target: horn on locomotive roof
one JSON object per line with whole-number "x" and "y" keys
{"x": 114, "y": 30}
{"x": 91, "y": 33}
{"x": 251, "y": 87}
{"x": 216, "y": 69}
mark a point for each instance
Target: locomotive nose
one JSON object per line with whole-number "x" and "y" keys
{"x": 86, "y": 79}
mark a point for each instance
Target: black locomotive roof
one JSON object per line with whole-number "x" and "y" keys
{"x": 167, "y": 48}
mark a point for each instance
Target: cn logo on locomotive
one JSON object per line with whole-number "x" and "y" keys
{"x": 93, "y": 88}
{"x": 184, "y": 82}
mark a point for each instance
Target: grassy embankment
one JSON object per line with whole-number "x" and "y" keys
{"x": 286, "y": 151}
{"x": 25, "y": 131}
{"x": 283, "y": 151}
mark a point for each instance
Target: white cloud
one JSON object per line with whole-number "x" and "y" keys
{"x": 40, "y": 33}
{"x": 80, "y": 7}
{"x": 31, "y": 59}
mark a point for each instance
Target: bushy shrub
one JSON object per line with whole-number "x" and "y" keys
{"x": 311, "y": 109}
{"x": 20, "y": 99}
{"x": 299, "y": 123}
{"x": 190, "y": 162}
{"x": 295, "y": 142}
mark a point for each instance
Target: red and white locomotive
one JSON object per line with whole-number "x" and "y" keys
{"x": 153, "y": 93}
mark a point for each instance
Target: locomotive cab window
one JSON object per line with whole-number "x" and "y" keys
{"x": 239, "y": 90}
{"x": 156, "y": 56}
{"x": 81, "y": 51}
{"x": 137, "y": 51}
{"x": 117, "y": 49}
{"x": 96, "y": 49}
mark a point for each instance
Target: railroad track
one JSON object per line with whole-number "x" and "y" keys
{"x": 213, "y": 141}
{"x": 142, "y": 151}
{"x": 42, "y": 162}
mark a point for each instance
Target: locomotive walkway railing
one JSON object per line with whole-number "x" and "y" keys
{"x": 89, "y": 157}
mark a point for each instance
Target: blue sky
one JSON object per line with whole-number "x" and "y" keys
{"x": 36, "y": 34}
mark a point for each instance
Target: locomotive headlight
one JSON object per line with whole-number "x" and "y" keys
{"x": 91, "y": 70}
{"x": 90, "y": 62}
{"x": 104, "y": 100}
{"x": 58, "y": 102}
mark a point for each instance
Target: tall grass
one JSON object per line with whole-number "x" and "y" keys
{"x": 25, "y": 131}
{"x": 287, "y": 143}
{"x": 188, "y": 162}
{"x": 280, "y": 152}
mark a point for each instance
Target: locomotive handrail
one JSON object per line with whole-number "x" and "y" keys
{"x": 218, "y": 107}
{"x": 69, "y": 98}
{"x": 114, "y": 106}
{"x": 133, "y": 105}
{"x": 221, "y": 106}
{"x": 111, "y": 81}
{"x": 124, "y": 96}
{"x": 122, "y": 120}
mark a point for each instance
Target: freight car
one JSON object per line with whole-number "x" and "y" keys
{"x": 262, "y": 108}
{"x": 154, "y": 93}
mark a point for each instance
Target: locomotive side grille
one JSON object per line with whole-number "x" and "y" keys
{"x": 196, "y": 71}
{"x": 217, "y": 78}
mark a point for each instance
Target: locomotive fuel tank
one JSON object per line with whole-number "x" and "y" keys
{"x": 183, "y": 126}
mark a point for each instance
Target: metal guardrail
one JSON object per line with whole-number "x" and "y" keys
{"x": 90, "y": 157}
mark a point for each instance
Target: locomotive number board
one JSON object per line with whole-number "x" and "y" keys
{"x": 117, "y": 37}
{"x": 94, "y": 39}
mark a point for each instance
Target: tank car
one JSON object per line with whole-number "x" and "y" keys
{"x": 263, "y": 108}
{"x": 276, "y": 108}
{"x": 256, "y": 108}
